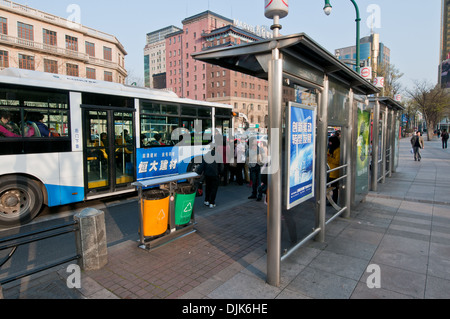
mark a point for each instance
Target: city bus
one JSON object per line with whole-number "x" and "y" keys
{"x": 76, "y": 139}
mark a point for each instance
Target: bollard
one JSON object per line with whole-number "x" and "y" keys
{"x": 91, "y": 239}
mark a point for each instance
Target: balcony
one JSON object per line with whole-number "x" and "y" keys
{"x": 60, "y": 52}
{"x": 43, "y": 48}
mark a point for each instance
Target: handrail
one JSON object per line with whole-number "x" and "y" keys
{"x": 22, "y": 239}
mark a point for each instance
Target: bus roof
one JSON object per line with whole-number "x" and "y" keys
{"x": 76, "y": 84}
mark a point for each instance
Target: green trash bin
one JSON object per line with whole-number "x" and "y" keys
{"x": 184, "y": 204}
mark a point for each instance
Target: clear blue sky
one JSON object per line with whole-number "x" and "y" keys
{"x": 410, "y": 28}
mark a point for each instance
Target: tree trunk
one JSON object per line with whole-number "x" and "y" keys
{"x": 430, "y": 130}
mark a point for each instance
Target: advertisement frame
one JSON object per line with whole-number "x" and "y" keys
{"x": 293, "y": 201}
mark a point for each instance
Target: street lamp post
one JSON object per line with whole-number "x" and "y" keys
{"x": 328, "y": 8}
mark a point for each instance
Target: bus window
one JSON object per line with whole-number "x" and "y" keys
{"x": 32, "y": 109}
{"x": 8, "y": 126}
{"x": 153, "y": 127}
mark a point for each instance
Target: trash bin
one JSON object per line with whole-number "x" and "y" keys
{"x": 155, "y": 212}
{"x": 184, "y": 203}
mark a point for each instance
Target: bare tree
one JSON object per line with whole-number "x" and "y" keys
{"x": 134, "y": 79}
{"x": 392, "y": 76}
{"x": 432, "y": 101}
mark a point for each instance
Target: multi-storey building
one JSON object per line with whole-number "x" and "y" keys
{"x": 35, "y": 40}
{"x": 155, "y": 56}
{"x": 186, "y": 76}
{"x": 348, "y": 54}
{"x": 247, "y": 94}
{"x": 444, "y": 58}
{"x": 193, "y": 79}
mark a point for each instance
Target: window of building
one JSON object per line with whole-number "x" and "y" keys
{"x": 71, "y": 43}
{"x": 90, "y": 73}
{"x": 25, "y": 31}
{"x": 26, "y": 62}
{"x": 3, "y": 26}
{"x": 108, "y": 76}
{"x": 72, "y": 69}
{"x": 4, "y": 60}
{"x": 107, "y": 53}
{"x": 50, "y": 66}
{"x": 90, "y": 49}
{"x": 49, "y": 37}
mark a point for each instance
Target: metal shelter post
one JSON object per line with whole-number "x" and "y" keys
{"x": 348, "y": 156}
{"x": 384, "y": 145}
{"x": 392, "y": 146}
{"x": 275, "y": 178}
{"x": 322, "y": 149}
{"x": 375, "y": 143}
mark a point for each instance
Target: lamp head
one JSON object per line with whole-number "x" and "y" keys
{"x": 328, "y": 8}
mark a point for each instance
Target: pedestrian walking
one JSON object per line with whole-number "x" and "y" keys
{"x": 226, "y": 161}
{"x": 444, "y": 139}
{"x": 417, "y": 144}
{"x": 256, "y": 159}
{"x": 211, "y": 168}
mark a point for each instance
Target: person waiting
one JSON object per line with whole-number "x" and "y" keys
{"x": 38, "y": 119}
{"x": 334, "y": 158}
{"x": 8, "y": 128}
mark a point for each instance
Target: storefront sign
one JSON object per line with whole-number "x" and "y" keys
{"x": 301, "y": 146}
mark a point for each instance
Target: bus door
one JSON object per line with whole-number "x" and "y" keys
{"x": 109, "y": 150}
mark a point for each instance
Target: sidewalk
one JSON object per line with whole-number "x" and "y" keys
{"x": 404, "y": 228}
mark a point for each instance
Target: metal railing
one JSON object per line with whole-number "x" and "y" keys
{"x": 329, "y": 197}
{"x": 13, "y": 242}
{"x": 329, "y": 191}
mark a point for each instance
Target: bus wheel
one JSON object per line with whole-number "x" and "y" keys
{"x": 20, "y": 200}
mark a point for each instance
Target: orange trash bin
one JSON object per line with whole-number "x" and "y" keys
{"x": 156, "y": 205}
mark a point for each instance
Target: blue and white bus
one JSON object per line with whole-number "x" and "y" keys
{"x": 101, "y": 138}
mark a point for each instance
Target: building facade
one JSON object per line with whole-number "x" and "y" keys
{"x": 369, "y": 46}
{"x": 35, "y": 40}
{"x": 444, "y": 57}
{"x": 185, "y": 75}
{"x": 196, "y": 80}
{"x": 155, "y": 56}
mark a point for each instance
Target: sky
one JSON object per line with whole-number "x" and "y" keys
{"x": 410, "y": 28}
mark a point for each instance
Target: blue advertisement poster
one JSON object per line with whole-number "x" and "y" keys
{"x": 301, "y": 153}
{"x": 157, "y": 162}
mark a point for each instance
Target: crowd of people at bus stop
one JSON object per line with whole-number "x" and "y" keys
{"x": 242, "y": 162}
{"x": 234, "y": 160}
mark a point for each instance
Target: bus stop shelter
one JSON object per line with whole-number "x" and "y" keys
{"x": 386, "y": 115}
{"x": 332, "y": 92}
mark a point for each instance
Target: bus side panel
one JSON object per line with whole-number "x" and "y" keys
{"x": 61, "y": 181}
{"x": 71, "y": 184}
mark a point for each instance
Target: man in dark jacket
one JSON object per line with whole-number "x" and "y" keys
{"x": 417, "y": 144}
{"x": 211, "y": 167}
{"x": 444, "y": 138}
